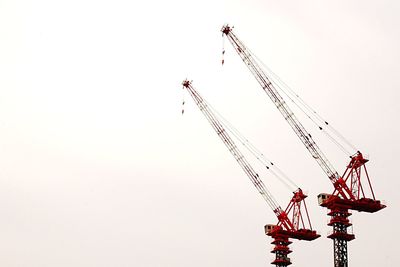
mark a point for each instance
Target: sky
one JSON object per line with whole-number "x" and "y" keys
{"x": 98, "y": 167}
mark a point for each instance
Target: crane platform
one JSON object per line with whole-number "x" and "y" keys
{"x": 362, "y": 204}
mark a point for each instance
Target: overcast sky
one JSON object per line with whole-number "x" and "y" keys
{"x": 99, "y": 168}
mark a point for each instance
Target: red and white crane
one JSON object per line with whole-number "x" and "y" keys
{"x": 349, "y": 191}
{"x": 291, "y": 223}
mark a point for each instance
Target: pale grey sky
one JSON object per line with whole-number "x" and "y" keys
{"x": 99, "y": 167}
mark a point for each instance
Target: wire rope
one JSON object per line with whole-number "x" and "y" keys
{"x": 311, "y": 112}
{"x": 268, "y": 164}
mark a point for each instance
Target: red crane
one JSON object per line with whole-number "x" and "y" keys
{"x": 291, "y": 223}
{"x": 349, "y": 191}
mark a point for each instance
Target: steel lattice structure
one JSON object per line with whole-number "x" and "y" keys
{"x": 291, "y": 223}
{"x": 349, "y": 191}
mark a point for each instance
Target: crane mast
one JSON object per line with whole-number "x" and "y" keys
{"x": 286, "y": 228}
{"x": 344, "y": 197}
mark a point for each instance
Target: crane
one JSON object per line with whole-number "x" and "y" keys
{"x": 349, "y": 192}
{"x": 287, "y": 226}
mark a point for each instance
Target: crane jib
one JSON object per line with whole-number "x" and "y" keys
{"x": 282, "y": 215}
{"x": 279, "y": 102}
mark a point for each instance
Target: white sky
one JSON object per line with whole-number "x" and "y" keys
{"x": 99, "y": 168}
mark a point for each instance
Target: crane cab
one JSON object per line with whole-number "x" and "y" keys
{"x": 322, "y": 198}
{"x": 269, "y": 228}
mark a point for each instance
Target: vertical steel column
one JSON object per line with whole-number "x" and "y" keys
{"x": 340, "y": 222}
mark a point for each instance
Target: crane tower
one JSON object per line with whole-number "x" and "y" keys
{"x": 291, "y": 223}
{"x": 350, "y": 193}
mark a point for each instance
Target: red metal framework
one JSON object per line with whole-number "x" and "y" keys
{"x": 291, "y": 222}
{"x": 281, "y": 249}
{"x": 349, "y": 191}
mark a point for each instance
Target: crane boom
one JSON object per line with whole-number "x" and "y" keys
{"x": 222, "y": 133}
{"x": 292, "y": 225}
{"x": 280, "y": 103}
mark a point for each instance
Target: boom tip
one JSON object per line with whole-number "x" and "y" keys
{"x": 186, "y": 83}
{"x": 226, "y": 29}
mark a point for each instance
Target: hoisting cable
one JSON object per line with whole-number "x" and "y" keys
{"x": 269, "y": 165}
{"x": 282, "y": 178}
{"x": 336, "y": 142}
{"x": 311, "y": 112}
{"x": 307, "y": 106}
{"x": 223, "y": 49}
{"x": 323, "y": 129}
{"x": 218, "y": 127}
{"x": 183, "y": 102}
